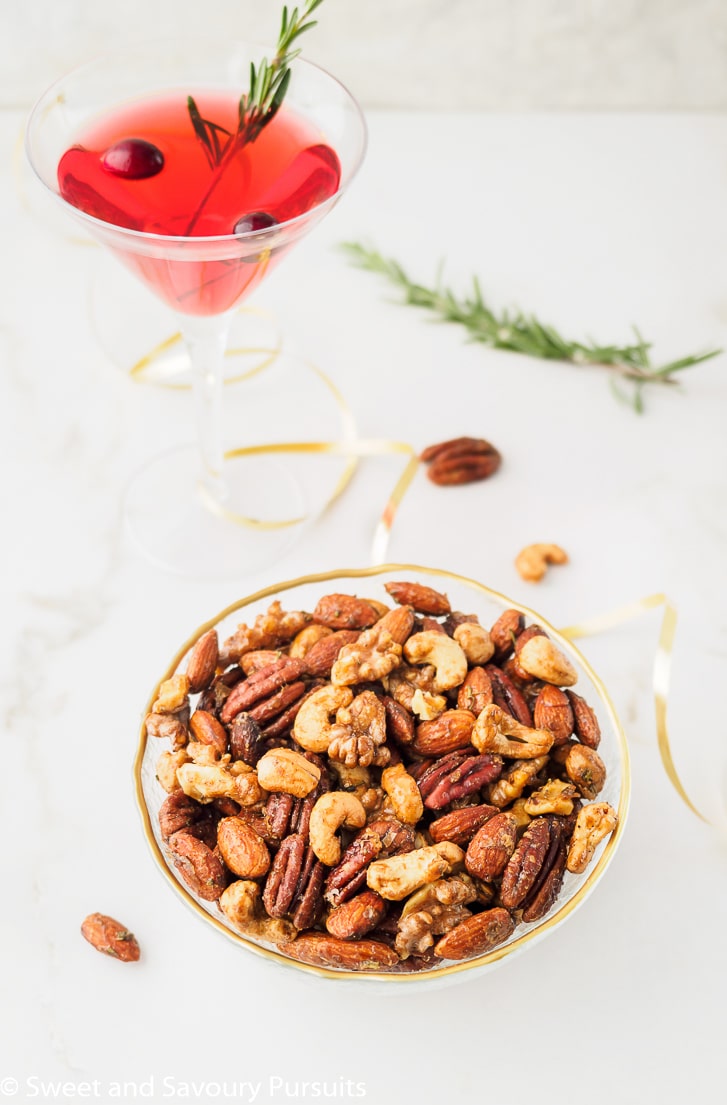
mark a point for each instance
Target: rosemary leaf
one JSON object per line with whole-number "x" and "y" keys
{"x": 520, "y": 333}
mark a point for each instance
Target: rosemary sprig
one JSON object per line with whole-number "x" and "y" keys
{"x": 257, "y": 107}
{"x": 523, "y": 333}
{"x": 260, "y": 104}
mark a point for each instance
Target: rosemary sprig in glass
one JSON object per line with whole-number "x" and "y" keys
{"x": 524, "y": 333}
{"x": 257, "y": 107}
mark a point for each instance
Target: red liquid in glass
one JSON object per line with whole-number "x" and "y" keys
{"x": 285, "y": 172}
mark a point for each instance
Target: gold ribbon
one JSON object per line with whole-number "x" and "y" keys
{"x": 661, "y": 674}
{"x": 353, "y": 449}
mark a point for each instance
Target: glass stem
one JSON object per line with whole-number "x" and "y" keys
{"x": 206, "y": 340}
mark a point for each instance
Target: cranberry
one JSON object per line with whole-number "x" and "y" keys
{"x": 134, "y": 158}
{"x": 255, "y": 220}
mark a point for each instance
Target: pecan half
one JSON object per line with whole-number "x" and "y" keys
{"x": 178, "y": 811}
{"x": 547, "y": 890}
{"x": 282, "y": 880}
{"x": 294, "y": 885}
{"x": 271, "y": 707}
{"x": 386, "y": 837}
{"x": 261, "y": 685}
{"x": 461, "y": 460}
{"x": 507, "y": 696}
{"x": 526, "y": 863}
{"x": 455, "y": 776}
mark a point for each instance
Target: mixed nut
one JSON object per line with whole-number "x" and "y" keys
{"x": 379, "y": 788}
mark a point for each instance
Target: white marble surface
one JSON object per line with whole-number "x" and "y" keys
{"x": 425, "y": 54}
{"x": 593, "y": 221}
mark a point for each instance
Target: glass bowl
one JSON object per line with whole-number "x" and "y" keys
{"x": 464, "y": 594}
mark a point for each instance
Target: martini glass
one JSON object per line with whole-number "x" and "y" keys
{"x": 191, "y": 510}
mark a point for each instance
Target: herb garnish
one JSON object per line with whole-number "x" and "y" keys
{"x": 258, "y": 106}
{"x": 524, "y": 333}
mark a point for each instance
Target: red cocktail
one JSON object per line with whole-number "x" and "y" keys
{"x": 146, "y": 148}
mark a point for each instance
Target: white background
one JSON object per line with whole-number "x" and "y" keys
{"x": 653, "y": 54}
{"x": 594, "y": 221}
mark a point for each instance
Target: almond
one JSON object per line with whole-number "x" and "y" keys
{"x": 460, "y": 826}
{"x": 244, "y": 852}
{"x": 553, "y": 711}
{"x": 425, "y": 600}
{"x": 345, "y": 612}
{"x": 477, "y": 935}
{"x": 491, "y": 847}
{"x": 322, "y": 656}
{"x": 330, "y": 951}
{"x": 357, "y": 916}
{"x": 585, "y": 721}
{"x": 450, "y": 731}
{"x": 202, "y": 663}
{"x": 207, "y": 730}
{"x": 108, "y": 936}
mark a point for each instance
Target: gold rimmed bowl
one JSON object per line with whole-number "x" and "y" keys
{"x": 464, "y": 594}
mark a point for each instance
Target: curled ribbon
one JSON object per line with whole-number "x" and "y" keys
{"x": 353, "y": 449}
{"x": 661, "y": 674}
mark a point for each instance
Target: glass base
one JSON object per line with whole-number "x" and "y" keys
{"x": 175, "y": 525}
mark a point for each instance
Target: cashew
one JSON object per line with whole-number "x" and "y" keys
{"x": 475, "y": 641}
{"x": 447, "y": 656}
{"x": 540, "y": 657}
{"x": 205, "y": 782}
{"x": 594, "y": 822}
{"x": 398, "y": 876}
{"x": 331, "y": 812}
{"x": 406, "y": 801}
{"x": 172, "y": 695}
{"x": 303, "y": 642}
{"x": 427, "y": 706}
{"x": 312, "y": 728}
{"x": 532, "y": 561}
{"x": 201, "y": 753}
{"x": 282, "y": 769}
{"x": 166, "y": 769}
{"x": 496, "y": 731}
